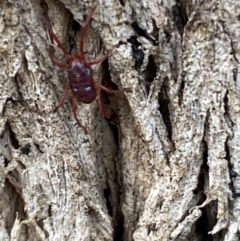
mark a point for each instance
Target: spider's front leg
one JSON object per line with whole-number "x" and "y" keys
{"x": 54, "y": 37}
{"x": 98, "y": 86}
{"x": 98, "y": 61}
{"x": 55, "y": 61}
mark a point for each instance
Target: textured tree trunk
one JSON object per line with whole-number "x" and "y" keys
{"x": 165, "y": 166}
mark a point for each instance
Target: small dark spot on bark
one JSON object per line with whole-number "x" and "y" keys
{"x": 26, "y": 149}
{"x": 138, "y": 53}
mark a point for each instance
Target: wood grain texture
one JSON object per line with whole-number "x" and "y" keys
{"x": 165, "y": 166}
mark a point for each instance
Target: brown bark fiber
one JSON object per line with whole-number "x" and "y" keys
{"x": 165, "y": 166}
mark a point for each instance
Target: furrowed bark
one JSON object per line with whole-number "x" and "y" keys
{"x": 164, "y": 166}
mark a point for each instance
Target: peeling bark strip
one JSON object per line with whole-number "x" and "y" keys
{"x": 165, "y": 166}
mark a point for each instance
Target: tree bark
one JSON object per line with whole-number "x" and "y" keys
{"x": 165, "y": 165}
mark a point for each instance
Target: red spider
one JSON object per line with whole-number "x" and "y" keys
{"x": 81, "y": 83}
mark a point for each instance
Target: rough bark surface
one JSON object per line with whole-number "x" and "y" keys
{"x": 165, "y": 166}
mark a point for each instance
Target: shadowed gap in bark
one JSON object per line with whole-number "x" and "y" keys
{"x": 107, "y": 194}
{"x": 14, "y": 201}
{"x": 113, "y": 124}
{"x": 40, "y": 224}
{"x": 122, "y": 2}
{"x": 107, "y": 82}
{"x": 180, "y": 17}
{"x": 201, "y": 177}
{"x": 150, "y": 73}
{"x": 38, "y": 147}
{"x": 203, "y": 225}
{"x": 164, "y": 101}
{"x": 73, "y": 30}
{"x": 26, "y": 149}
{"x": 207, "y": 220}
{"x": 232, "y": 173}
{"x": 180, "y": 92}
{"x": 138, "y": 53}
{"x": 13, "y": 138}
{"x": 141, "y": 32}
{"x": 235, "y": 74}
{"x": 155, "y": 32}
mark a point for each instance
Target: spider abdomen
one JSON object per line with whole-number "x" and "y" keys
{"x": 81, "y": 81}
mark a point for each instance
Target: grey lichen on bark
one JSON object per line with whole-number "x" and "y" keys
{"x": 164, "y": 166}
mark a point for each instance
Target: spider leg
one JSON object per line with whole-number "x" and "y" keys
{"x": 109, "y": 91}
{"x": 65, "y": 93}
{"x": 50, "y": 29}
{"x": 98, "y": 61}
{"x": 100, "y": 107}
{"x": 74, "y": 109}
{"x": 84, "y": 30}
{"x": 55, "y": 61}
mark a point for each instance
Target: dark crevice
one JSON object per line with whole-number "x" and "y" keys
{"x": 115, "y": 212}
{"x": 202, "y": 226}
{"x": 151, "y": 70}
{"x": 138, "y": 53}
{"x": 40, "y": 223}
{"x": 140, "y": 32}
{"x": 107, "y": 82}
{"x": 75, "y": 26}
{"x": 6, "y": 162}
{"x": 179, "y": 17}
{"x": 13, "y": 138}
{"x": 150, "y": 73}
{"x": 206, "y": 221}
{"x": 106, "y": 79}
{"x": 122, "y": 2}
{"x": 26, "y": 149}
{"x": 16, "y": 203}
{"x": 50, "y": 211}
{"x": 226, "y": 108}
{"x": 227, "y": 152}
{"x": 118, "y": 236}
{"x": 118, "y": 217}
{"x": 180, "y": 92}
{"x": 73, "y": 30}
{"x": 6, "y": 149}
{"x": 113, "y": 123}
{"x": 152, "y": 228}
{"x": 38, "y": 148}
{"x": 17, "y": 97}
{"x": 226, "y": 103}
{"x": 9, "y": 99}
{"x": 107, "y": 194}
{"x": 203, "y": 170}
{"x": 232, "y": 173}
{"x": 168, "y": 35}
{"x": 164, "y": 102}
{"x": 235, "y": 75}
{"x": 155, "y": 32}
{"x": 105, "y": 97}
